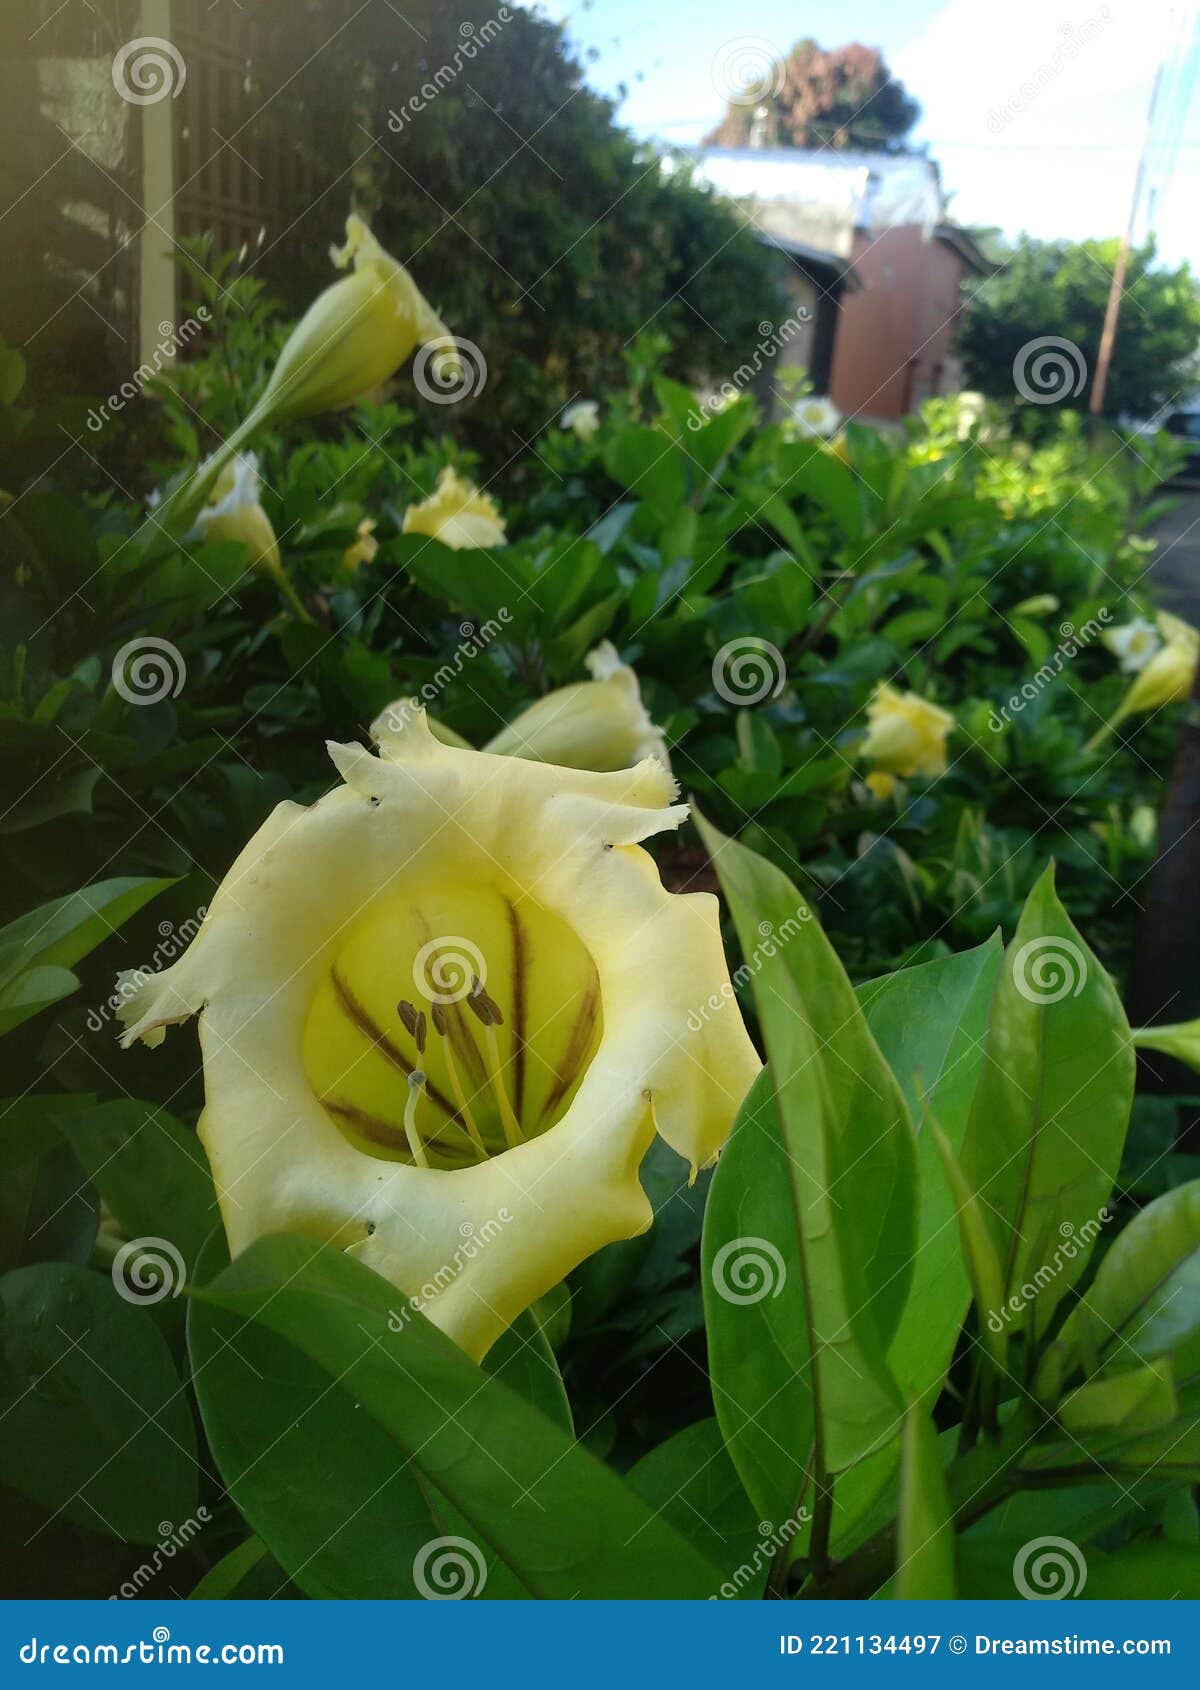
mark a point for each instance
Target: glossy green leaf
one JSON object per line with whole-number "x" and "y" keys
{"x": 151, "y": 1171}
{"x": 318, "y": 1479}
{"x": 930, "y": 1022}
{"x": 849, "y": 1157}
{"x": 691, "y": 1481}
{"x": 1048, "y": 1121}
{"x": 27, "y": 994}
{"x": 562, "y": 1523}
{"x": 1145, "y": 1298}
{"x": 60, "y": 933}
{"x": 96, "y": 1426}
{"x": 756, "y": 1314}
{"x": 925, "y": 1529}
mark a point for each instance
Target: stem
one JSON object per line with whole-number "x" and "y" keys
{"x": 416, "y": 1084}
{"x": 977, "y": 1482}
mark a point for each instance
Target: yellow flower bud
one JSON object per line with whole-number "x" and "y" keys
{"x": 354, "y": 336}
{"x": 451, "y": 1000}
{"x": 906, "y": 735}
{"x": 457, "y": 514}
{"x": 1168, "y": 678}
{"x": 598, "y": 724}
{"x": 233, "y": 512}
{"x": 1041, "y": 604}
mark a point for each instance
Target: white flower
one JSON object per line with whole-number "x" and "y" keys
{"x": 1134, "y": 643}
{"x": 816, "y": 418}
{"x": 582, "y": 418}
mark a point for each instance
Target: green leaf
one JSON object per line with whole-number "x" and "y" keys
{"x": 978, "y": 1249}
{"x": 756, "y": 1314}
{"x": 319, "y": 1480}
{"x": 70, "y": 796}
{"x": 231, "y": 1571}
{"x": 558, "y": 1520}
{"x": 151, "y": 1171}
{"x": 693, "y": 1484}
{"x": 522, "y": 1359}
{"x": 844, "y": 1127}
{"x": 1145, "y": 1298}
{"x": 1138, "y": 1400}
{"x": 27, "y": 994}
{"x": 646, "y": 462}
{"x": 1043, "y": 1142}
{"x": 930, "y": 1022}
{"x": 48, "y": 1211}
{"x": 925, "y": 1529}
{"x": 59, "y": 934}
{"x": 96, "y": 1426}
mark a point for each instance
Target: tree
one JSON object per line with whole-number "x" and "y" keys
{"x": 1058, "y": 290}
{"x": 842, "y": 98}
{"x": 540, "y": 230}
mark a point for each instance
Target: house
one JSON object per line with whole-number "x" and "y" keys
{"x": 890, "y": 267}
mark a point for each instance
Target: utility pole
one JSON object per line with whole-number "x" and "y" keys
{"x": 1113, "y": 309}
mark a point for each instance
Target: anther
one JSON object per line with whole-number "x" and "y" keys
{"x": 485, "y": 1007}
{"x": 414, "y": 1022}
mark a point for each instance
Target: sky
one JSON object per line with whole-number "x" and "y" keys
{"x": 1036, "y": 111}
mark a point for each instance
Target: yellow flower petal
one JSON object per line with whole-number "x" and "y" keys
{"x": 597, "y": 724}
{"x": 906, "y": 734}
{"x": 428, "y": 867}
{"x": 457, "y": 514}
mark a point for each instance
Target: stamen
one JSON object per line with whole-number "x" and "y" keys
{"x": 414, "y": 1023}
{"x": 416, "y": 1085}
{"x": 440, "y": 1025}
{"x": 488, "y": 1012}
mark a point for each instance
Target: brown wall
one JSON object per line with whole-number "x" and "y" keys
{"x": 893, "y": 338}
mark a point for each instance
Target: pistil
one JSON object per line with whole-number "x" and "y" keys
{"x": 416, "y": 1085}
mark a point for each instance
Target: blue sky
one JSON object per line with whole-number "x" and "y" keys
{"x": 1035, "y": 111}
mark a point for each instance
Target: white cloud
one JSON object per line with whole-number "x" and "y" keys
{"x": 1037, "y": 114}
